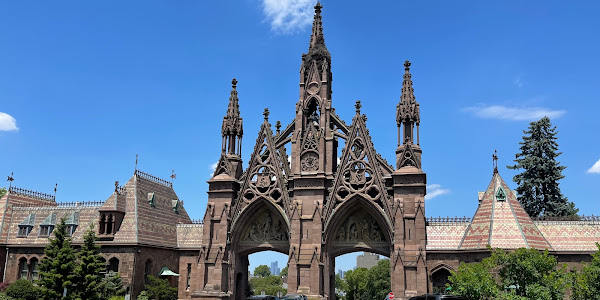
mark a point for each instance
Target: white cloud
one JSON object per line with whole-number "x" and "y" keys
{"x": 212, "y": 168}
{"x": 434, "y": 190}
{"x": 595, "y": 168}
{"x": 288, "y": 16}
{"x": 7, "y": 122}
{"x": 518, "y": 82}
{"x": 513, "y": 113}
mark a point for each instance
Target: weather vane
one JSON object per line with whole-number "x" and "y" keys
{"x": 10, "y": 180}
{"x": 495, "y": 160}
{"x": 173, "y": 176}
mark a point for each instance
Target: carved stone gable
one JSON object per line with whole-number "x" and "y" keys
{"x": 359, "y": 227}
{"x": 359, "y": 172}
{"x": 265, "y": 228}
{"x": 224, "y": 166}
{"x": 265, "y": 177}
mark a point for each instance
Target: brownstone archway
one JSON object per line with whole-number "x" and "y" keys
{"x": 261, "y": 226}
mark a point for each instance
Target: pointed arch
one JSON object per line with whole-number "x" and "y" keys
{"x": 360, "y": 208}
{"x": 262, "y": 225}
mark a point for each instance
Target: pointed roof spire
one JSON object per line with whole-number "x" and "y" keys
{"x": 233, "y": 110}
{"x": 495, "y": 159}
{"x": 232, "y": 123}
{"x": 501, "y": 222}
{"x": 317, "y": 28}
{"x": 408, "y": 108}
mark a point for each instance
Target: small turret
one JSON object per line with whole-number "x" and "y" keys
{"x": 233, "y": 129}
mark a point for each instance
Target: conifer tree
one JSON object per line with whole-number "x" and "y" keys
{"x": 88, "y": 278}
{"x": 538, "y": 191}
{"x": 56, "y": 269}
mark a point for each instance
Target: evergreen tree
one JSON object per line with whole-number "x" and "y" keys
{"x": 538, "y": 188}
{"x": 88, "y": 280}
{"x": 56, "y": 269}
{"x": 112, "y": 285}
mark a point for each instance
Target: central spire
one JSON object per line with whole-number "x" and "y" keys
{"x": 317, "y": 28}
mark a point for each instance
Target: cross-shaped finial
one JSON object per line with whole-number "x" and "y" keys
{"x": 407, "y": 65}
{"x": 10, "y": 178}
{"x": 234, "y": 83}
{"x": 278, "y": 126}
{"x": 266, "y": 114}
{"x": 116, "y": 186}
{"x": 358, "y": 106}
{"x": 495, "y": 159}
{"x": 173, "y": 175}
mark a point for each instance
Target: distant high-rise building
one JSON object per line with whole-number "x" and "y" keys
{"x": 341, "y": 273}
{"x": 275, "y": 268}
{"x": 367, "y": 260}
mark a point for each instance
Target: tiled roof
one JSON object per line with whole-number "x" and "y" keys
{"x": 501, "y": 222}
{"x": 445, "y": 235}
{"x": 571, "y": 235}
{"x": 189, "y": 236}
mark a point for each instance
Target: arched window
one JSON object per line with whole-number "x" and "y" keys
{"x": 439, "y": 279}
{"x": 147, "y": 271}
{"x": 23, "y": 270}
{"x": 109, "y": 224}
{"x": 102, "y": 224}
{"x": 105, "y": 269}
{"x": 34, "y": 264}
{"x": 113, "y": 265}
{"x": 189, "y": 276}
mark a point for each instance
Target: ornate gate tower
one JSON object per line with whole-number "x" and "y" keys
{"x": 310, "y": 206}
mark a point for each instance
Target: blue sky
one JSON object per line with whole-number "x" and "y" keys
{"x": 87, "y": 85}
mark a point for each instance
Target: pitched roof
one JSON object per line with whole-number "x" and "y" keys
{"x": 501, "y": 222}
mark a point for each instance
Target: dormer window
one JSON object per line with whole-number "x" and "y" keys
{"x": 24, "y": 231}
{"x": 151, "y": 199}
{"x": 45, "y": 230}
{"x": 26, "y": 226}
{"x": 500, "y": 194}
{"x": 72, "y": 222}
{"x": 47, "y": 225}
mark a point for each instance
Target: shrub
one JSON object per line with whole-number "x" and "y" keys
{"x": 143, "y": 296}
{"x": 22, "y": 289}
{"x": 117, "y": 298}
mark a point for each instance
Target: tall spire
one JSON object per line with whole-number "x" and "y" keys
{"x": 232, "y": 129}
{"x": 408, "y": 109}
{"x": 317, "y": 28}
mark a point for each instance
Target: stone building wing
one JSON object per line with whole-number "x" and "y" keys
{"x": 501, "y": 222}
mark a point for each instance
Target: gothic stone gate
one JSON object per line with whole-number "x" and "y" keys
{"x": 314, "y": 208}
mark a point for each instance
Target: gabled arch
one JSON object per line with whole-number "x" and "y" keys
{"x": 344, "y": 211}
{"x": 248, "y": 220}
{"x": 439, "y": 267}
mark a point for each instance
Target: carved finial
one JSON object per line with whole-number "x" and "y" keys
{"x": 233, "y": 83}
{"x": 55, "y": 187}
{"x": 278, "y": 126}
{"x": 318, "y": 7}
{"x": 495, "y": 161}
{"x": 358, "y": 106}
{"x": 136, "y": 161}
{"x": 407, "y": 65}
{"x": 266, "y": 114}
{"x": 116, "y": 186}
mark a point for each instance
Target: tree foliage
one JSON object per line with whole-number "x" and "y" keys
{"x": 160, "y": 289}
{"x": 521, "y": 274}
{"x": 270, "y": 285}
{"x": 88, "y": 279}
{"x": 23, "y": 289}
{"x": 366, "y": 284}
{"x": 111, "y": 285}
{"x": 538, "y": 191}
{"x": 284, "y": 272}
{"x": 587, "y": 282}
{"x": 56, "y": 269}
{"x": 3, "y": 192}
{"x": 262, "y": 271}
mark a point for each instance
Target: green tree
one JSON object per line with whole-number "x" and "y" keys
{"x": 587, "y": 282}
{"x": 88, "y": 279}
{"x": 284, "y": 272}
{"x": 474, "y": 281}
{"x": 366, "y": 284}
{"x": 522, "y": 274}
{"x": 3, "y": 192}
{"x": 270, "y": 285}
{"x": 56, "y": 269}
{"x": 23, "y": 289}
{"x": 262, "y": 271}
{"x": 355, "y": 283}
{"x": 111, "y": 285}
{"x": 160, "y": 289}
{"x": 538, "y": 189}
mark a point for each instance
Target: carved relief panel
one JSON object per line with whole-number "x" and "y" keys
{"x": 266, "y": 227}
{"x": 359, "y": 227}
